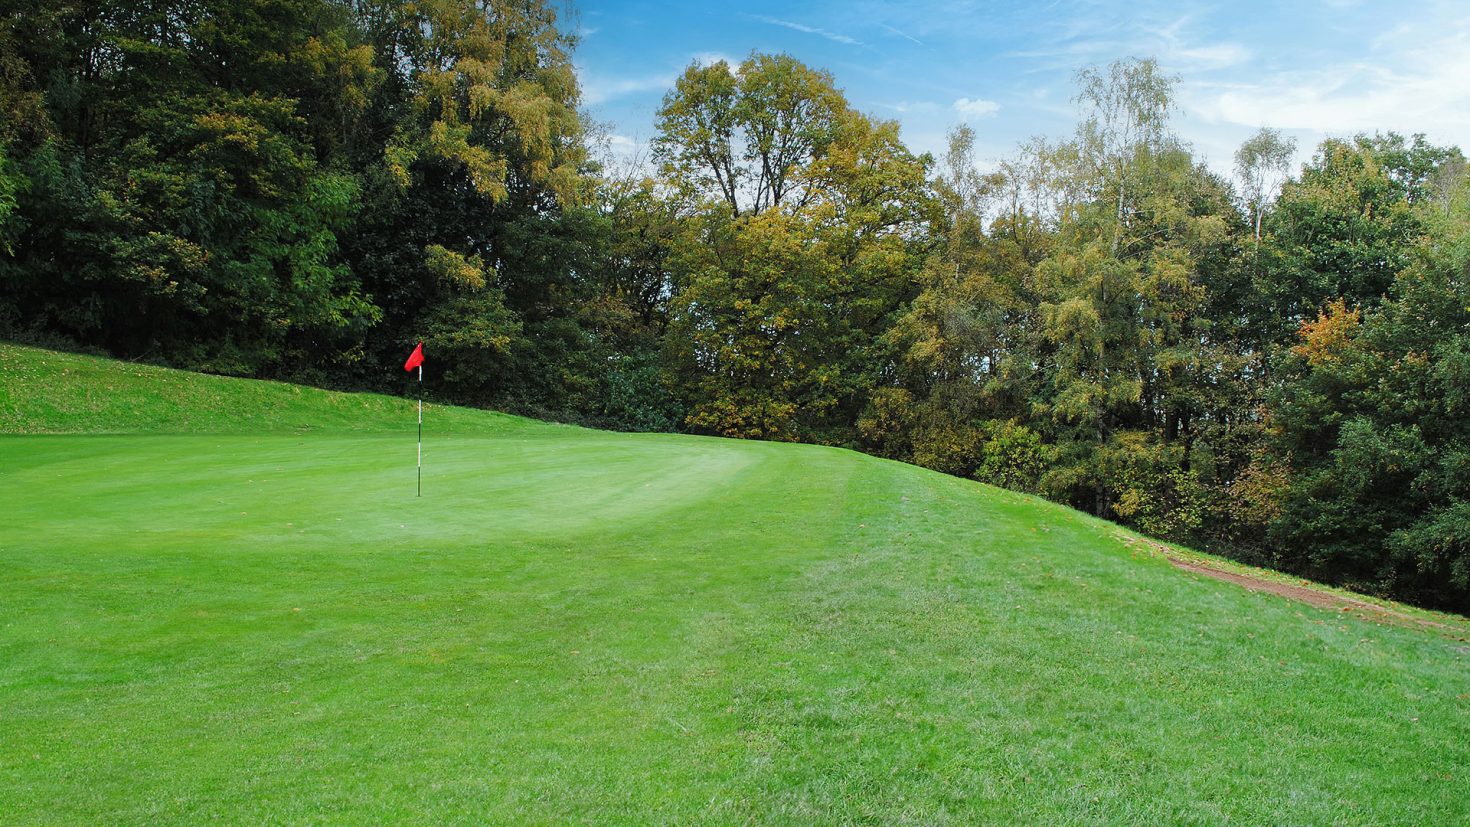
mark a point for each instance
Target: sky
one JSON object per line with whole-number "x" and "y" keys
{"x": 1311, "y": 68}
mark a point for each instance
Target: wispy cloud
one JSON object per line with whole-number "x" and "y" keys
{"x": 597, "y": 89}
{"x": 1174, "y": 44}
{"x": 1314, "y": 68}
{"x": 1216, "y": 56}
{"x": 1409, "y": 81}
{"x": 802, "y": 27}
{"x": 1424, "y": 91}
{"x": 913, "y": 107}
{"x": 973, "y": 109}
{"x": 901, "y": 33}
{"x": 1177, "y": 49}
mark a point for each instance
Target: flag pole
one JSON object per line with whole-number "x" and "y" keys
{"x": 416, "y": 360}
{"x": 421, "y": 431}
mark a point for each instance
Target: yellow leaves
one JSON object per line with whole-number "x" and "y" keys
{"x": 398, "y": 158}
{"x": 239, "y": 132}
{"x": 499, "y": 91}
{"x": 455, "y": 268}
{"x": 438, "y": 89}
{"x": 889, "y": 415}
{"x": 1074, "y": 319}
{"x": 487, "y": 170}
{"x": 951, "y": 447}
{"x": 1324, "y": 340}
{"x": 1130, "y": 502}
{"x": 745, "y": 418}
{"x": 481, "y": 98}
{"x": 1256, "y": 495}
{"x": 349, "y": 69}
{"x": 478, "y": 73}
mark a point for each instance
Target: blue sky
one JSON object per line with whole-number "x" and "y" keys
{"x": 1311, "y": 68}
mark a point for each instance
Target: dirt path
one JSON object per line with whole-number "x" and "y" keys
{"x": 1309, "y": 594}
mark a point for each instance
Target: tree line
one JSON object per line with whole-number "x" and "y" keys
{"x": 1274, "y": 366}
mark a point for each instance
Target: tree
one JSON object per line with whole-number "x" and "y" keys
{"x": 781, "y": 294}
{"x": 746, "y": 135}
{"x": 1127, "y": 106}
{"x": 1263, "y": 163}
{"x": 494, "y": 92}
{"x": 1344, "y": 229}
{"x": 963, "y": 355}
{"x": 176, "y": 172}
{"x": 12, "y": 184}
{"x": 1370, "y": 427}
{"x": 1372, "y": 424}
{"x": 481, "y": 160}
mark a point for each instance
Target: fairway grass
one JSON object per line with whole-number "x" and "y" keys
{"x": 220, "y": 601}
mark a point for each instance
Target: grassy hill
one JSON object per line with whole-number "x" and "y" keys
{"x": 220, "y": 601}
{"x": 42, "y": 391}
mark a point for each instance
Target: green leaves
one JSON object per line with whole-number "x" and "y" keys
{"x": 301, "y": 186}
{"x": 1371, "y": 417}
{"x": 1263, "y": 163}
{"x": 12, "y": 184}
{"x": 696, "y": 134}
{"x": 493, "y": 92}
{"x": 1344, "y": 229}
{"x": 751, "y": 136}
{"x": 797, "y": 247}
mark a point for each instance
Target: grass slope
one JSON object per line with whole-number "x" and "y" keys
{"x": 43, "y": 391}
{"x": 245, "y": 623}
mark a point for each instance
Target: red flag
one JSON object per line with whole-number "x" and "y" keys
{"x": 415, "y": 359}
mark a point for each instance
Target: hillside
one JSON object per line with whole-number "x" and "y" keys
{"x": 44, "y": 391}
{"x": 223, "y": 602}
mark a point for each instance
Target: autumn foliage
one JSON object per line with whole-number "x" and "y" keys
{"x": 301, "y": 188}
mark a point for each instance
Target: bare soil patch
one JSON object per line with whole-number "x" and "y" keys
{"x": 1309, "y": 593}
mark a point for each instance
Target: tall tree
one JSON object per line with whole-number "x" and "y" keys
{"x": 783, "y": 284}
{"x": 745, "y": 135}
{"x": 178, "y": 171}
{"x": 474, "y": 203}
{"x": 1126, "y": 107}
{"x": 1263, "y": 163}
{"x": 1344, "y": 229}
{"x": 1372, "y": 423}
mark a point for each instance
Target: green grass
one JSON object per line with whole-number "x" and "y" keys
{"x": 44, "y": 391}
{"x": 222, "y": 616}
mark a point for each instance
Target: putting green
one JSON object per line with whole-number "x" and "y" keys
{"x": 250, "y": 622}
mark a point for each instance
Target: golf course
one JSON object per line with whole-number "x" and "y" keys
{"x": 222, "y": 602}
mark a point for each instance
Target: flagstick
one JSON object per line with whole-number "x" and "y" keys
{"x": 421, "y": 430}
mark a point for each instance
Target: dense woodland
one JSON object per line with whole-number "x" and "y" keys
{"x": 1274, "y": 366}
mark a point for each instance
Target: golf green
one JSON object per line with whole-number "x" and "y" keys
{"x": 238, "y": 611}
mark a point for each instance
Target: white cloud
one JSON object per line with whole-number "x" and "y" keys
{"x": 1425, "y": 90}
{"x": 1101, "y": 37}
{"x": 1175, "y": 49}
{"x": 623, "y": 157}
{"x": 596, "y": 89}
{"x": 974, "y": 109}
{"x": 1407, "y": 82}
